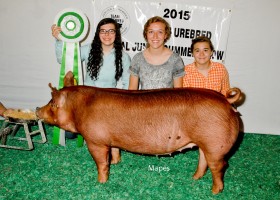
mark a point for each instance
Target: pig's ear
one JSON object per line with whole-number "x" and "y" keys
{"x": 52, "y": 88}
{"x": 69, "y": 79}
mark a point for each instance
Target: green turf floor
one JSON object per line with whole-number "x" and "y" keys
{"x": 56, "y": 172}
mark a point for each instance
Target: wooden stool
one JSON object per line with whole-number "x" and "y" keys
{"x": 15, "y": 123}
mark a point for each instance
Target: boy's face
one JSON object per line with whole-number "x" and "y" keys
{"x": 202, "y": 52}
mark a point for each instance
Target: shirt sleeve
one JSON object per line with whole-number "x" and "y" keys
{"x": 58, "y": 50}
{"x": 85, "y": 52}
{"x": 134, "y": 67}
{"x": 126, "y": 60}
{"x": 225, "y": 82}
{"x": 179, "y": 68}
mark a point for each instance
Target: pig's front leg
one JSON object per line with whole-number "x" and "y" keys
{"x": 115, "y": 155}
{"x": 100, "y": 154}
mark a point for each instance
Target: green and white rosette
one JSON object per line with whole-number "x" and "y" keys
{"x": 74, "y": 28}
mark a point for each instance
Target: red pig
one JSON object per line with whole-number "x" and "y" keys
{"x": 155, "y": 122}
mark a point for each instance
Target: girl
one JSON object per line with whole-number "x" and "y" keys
{"x": 156, "y": 66}
{"x": 105, "y": 59}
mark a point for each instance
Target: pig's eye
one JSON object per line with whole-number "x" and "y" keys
{"x": 53, "y": 105}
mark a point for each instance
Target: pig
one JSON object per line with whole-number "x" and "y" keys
{"x": 156, "y": 122}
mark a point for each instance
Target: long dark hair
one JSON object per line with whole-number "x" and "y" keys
{"x": 95, "y": 59}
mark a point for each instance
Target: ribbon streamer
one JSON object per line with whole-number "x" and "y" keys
{"x": 74, "y": 28}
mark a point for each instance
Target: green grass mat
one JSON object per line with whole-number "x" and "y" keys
{"x": 56, "y": 172}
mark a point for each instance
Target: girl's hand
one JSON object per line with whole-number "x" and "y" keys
{"x": 55, "y": 31}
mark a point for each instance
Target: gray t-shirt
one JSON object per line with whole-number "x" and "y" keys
{"x": 157, "y": 76}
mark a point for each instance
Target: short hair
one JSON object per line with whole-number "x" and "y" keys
{"x": 202, "y": 39}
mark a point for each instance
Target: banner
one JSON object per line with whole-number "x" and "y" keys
{"x": 186, "y": 21}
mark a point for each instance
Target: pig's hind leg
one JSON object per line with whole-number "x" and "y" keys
{"x": 100, "y": 155}
{"x": 115, "y": 155}
{"x": 217, "y": 169}
{"x": 216, "y": 165}
{"x": 201, "y": 167}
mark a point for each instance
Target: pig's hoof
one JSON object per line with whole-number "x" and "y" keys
{"x": 217, "y": 189}
{"x": 102, "y": 180}
{"x": 115, "y": 161}
{"x": 197, "y": 175}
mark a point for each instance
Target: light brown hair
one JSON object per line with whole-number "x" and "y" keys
{"x": 157, "y": 19}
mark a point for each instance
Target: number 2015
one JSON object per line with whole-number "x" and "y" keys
{"x": 186, "y": 15}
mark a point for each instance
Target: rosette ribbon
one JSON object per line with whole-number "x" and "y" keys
{"x": 74, "y": 28}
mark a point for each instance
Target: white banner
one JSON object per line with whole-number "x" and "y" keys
{"x": 186, "y": 21}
